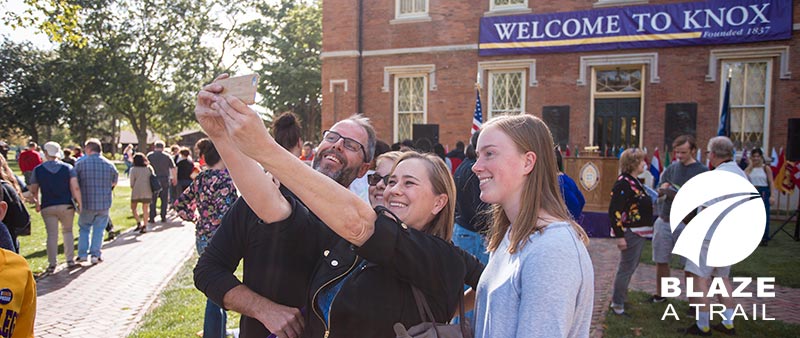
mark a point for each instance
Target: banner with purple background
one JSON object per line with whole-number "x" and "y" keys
{"x": 681, "y": 24}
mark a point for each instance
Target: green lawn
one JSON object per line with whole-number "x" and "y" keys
{"x": 645, "y": 321}
{"x": 179, "y": 309}
{"x": 34, "y": 247}
{"x": 779, "y": 259}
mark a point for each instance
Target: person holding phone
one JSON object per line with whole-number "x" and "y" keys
{"x": 58, "y": 183}
{"x": 370, "y": 254}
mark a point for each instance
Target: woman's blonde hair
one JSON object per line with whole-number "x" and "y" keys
{"x": 442, "y": 182}
{"x": 630, "y": 160}
{"x": 392, "y": 156}
{"x": 540, "y": 191}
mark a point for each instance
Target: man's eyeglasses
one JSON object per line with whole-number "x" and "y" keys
{"x": 373, "y": 179}
{"x": 349, "y": 144}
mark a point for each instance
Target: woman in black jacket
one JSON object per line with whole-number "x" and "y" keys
{"x": 631, "y": 214}
{"x": 363, "y": 282}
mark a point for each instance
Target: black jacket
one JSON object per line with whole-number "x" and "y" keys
{"x": 377, "y": 295}
{"x": 471, "y": 212}
{"x": 278, "y": 258}
{"x": 17, "y": 218}
{"x": 630, "y": 205}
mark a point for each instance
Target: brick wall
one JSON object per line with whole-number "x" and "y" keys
{"x": 682, "y": 73}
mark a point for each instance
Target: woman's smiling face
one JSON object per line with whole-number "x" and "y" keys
{"x": 382, "y": 168}
{"x": 410, "y": 194}
{"x": 500, "y": 166}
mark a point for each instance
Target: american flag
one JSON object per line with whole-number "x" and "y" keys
{"x": 477, "y": 118}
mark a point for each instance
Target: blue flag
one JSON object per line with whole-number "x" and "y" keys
{"x": 725, "y": 114}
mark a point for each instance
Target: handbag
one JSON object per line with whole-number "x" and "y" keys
{"x": 155, "y": 184}
{"x": 429, "y": 328}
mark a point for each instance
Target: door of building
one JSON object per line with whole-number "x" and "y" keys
{"x": 616, "y": 124}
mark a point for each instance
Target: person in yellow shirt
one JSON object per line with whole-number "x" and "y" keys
{"x": 17, "y": 293}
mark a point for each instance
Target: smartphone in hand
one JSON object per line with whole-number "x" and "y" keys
{"x": 243, "y": 87}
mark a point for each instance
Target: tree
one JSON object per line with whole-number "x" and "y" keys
{"x": 291, "y": 35}
{"x": 28, "y": 99}
{"x": 154, "y": 59}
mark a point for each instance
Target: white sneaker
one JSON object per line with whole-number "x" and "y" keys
{"x": 618, "y": 309}
{"x": 96, "y": 260}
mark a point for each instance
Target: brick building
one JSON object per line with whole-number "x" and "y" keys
{"x": 404, "y": 62}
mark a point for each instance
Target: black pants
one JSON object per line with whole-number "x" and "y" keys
{"x": 164, "y": 196}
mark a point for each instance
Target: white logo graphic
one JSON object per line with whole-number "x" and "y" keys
{"x": 732, "y": 217}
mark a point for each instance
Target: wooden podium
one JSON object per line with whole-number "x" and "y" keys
{"x": 595, "y": 177}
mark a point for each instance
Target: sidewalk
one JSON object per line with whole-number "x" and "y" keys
{"x": 605, "y": 258}
{"x": 109, "y": 299}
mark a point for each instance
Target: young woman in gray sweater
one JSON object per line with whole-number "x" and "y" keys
{"x": 539, "y": 281}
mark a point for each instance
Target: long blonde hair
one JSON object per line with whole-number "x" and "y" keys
{"x": 540, "y": 190}
{"x": 442, "y": 181}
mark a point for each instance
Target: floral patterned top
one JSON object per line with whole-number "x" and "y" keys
{"x": 207, "y": 200}
{"x": 630, "y": 207}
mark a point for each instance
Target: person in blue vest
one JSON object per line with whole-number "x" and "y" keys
{"x": 58, "y": 183}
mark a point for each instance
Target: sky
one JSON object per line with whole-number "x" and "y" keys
{"x": 21, "y": 34}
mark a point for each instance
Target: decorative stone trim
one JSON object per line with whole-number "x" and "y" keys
{"x": 781, "y": 52}
{"x": 619, "y": 59}
{"x": 339, "y": 54}
{"x": 399, "y": 51}
{"x": 410, "y": 19}
{"x": 407, "y": 70}
{"x": 338, "y": 82}
{"x": 614, "y": 3}
{"x": 530, "y": 64}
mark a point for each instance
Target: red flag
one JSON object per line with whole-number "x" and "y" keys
{"x": 657, "y": 159}
{"x": 794, "y": 173}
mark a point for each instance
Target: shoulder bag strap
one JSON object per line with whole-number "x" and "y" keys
{"x": 422, "y": 304}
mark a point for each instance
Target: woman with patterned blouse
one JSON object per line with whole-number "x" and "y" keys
{"x": 631, "y": 214}
{"x": 205, "y": 202}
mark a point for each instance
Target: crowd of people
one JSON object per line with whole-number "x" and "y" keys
{"x": 354, "y": 237}
{"x": 322, "y": 258}
{"x": 638, "y": 213}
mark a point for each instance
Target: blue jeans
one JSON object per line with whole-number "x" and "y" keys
{"x": 93, "y": 221}
{"x": 216, "y": 319}
{"x": 473, "y": 243}
{"x": 164, "y": 196}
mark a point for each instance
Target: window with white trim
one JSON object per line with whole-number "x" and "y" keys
{"x": 410, "y": 104}
{"x": 411, "y": 9}
{"x": 500, "y": 5}
{"x": 506, "y": 93}
{"x": 749, "y": 101}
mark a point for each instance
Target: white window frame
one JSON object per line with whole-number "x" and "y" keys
{"x": 396, "y": 111}
{"x": 490, "y": 93}
{"x": 410, "y": 17}
{"x": 767, "y": 93}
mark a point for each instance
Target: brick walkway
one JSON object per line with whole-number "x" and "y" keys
{"x": 109, "y": 299}
{"x": 605, "y": 258}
